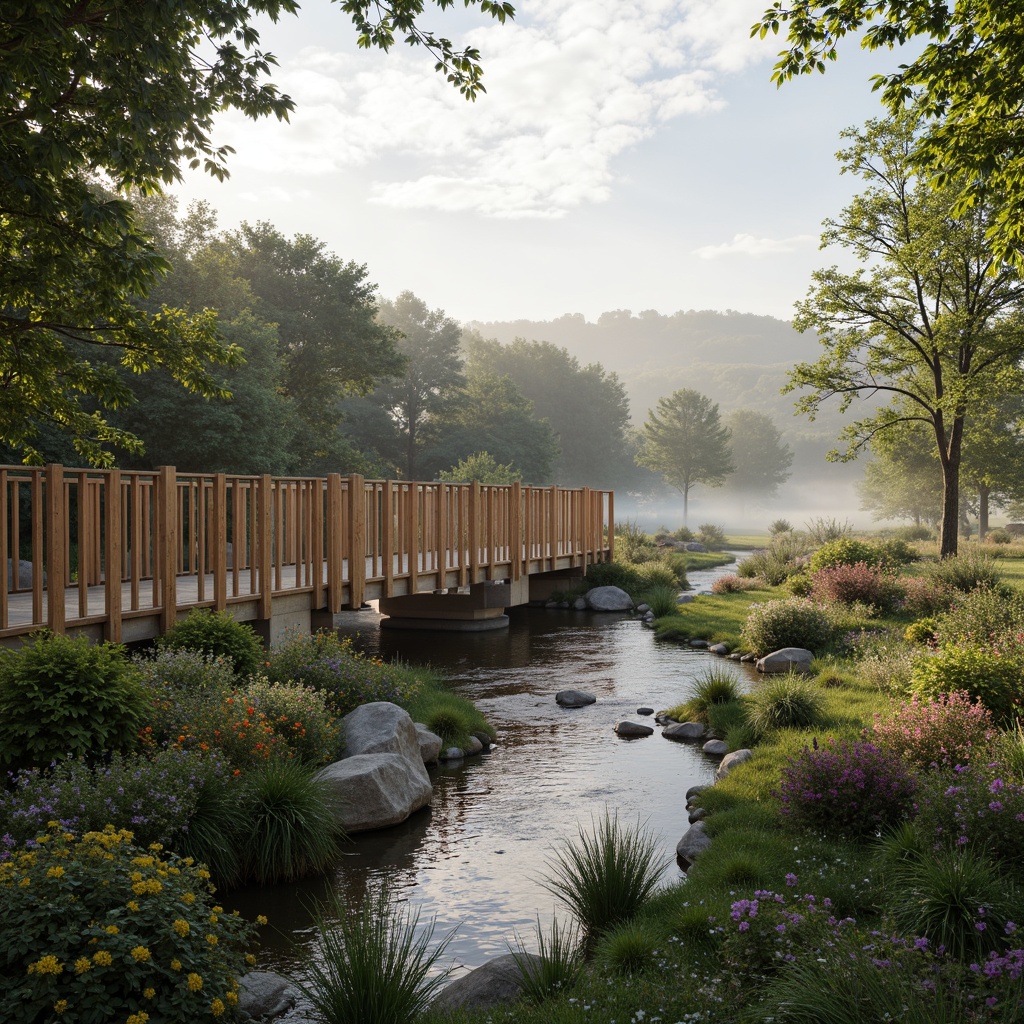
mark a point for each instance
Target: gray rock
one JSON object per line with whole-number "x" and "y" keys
{"x": 609, "y": 599}
{"x": 697, "y": 814}
{"x": 748, "y": 659}
{"x": 684, "y": 599}
{"x": 377, "y": 790}
{"x": 695, "y": 791}
{"x": 735, "y": 656}
{"x": 264, "y": 995}
{"x": 720, "y": 649}
{"x": 789, "y": 659}
{"x": 694, "y": 545}
{"x": 473, "y": 747}
{"x": 664, "y": 720}
{"x": 693, "y": 843}
{"x": 649, "y": 617}
{"x": 580, "y": 604}
{"x": 430, "y": 744}
{"x": 633, "y": 730}
{"x": 453, "y": 754}
{"x": 642, "y": 607}
{"x": 716, "y": 748}
{"x": 645, "y": 711}
{"x": 574, "y": 698}
{"x": 484, "y": 738}
{"x": 699, "y": 645}
{"x": 685, "y": 732}
{"x": 498, "y": 981}
{"x": 24, "y": 574}
{"x": 380, "y": 727}
{"x": 730, "y": 761}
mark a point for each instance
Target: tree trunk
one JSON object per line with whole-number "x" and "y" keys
{"x": 686, "y": 506}
{"x": 983, "y": 492}
{"x": 949, "y": 459}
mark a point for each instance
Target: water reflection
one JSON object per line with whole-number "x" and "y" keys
{"x": 476, "y": 859}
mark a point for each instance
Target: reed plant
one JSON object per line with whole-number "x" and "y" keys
{"x": 717, "y": 685}
{"x": 557, "y": 965}
{"x": 605, "y": 877}
{"x": 372, "y": 962}
{"x": 662, "y": 599}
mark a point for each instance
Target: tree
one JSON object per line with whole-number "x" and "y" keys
{"x": 933, "y": 321}
{"x": 902, "y": 479}
{"x": 481, "y": 466}
{"x": 684, "y": 440}
{"x": 127, "y": 89}
{"x": 433, "y": 379}
{"x": 968, "y": 80}
{"x": 760, "y": 457}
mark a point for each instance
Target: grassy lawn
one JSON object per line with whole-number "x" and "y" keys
{"x": 717, "y": 618}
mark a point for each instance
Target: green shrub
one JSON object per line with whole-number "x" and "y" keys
{"x": 300, "y": 716}
{"x": 980, "y": 615}
{"x": 800, "y": 583}
{"x": 894, "y": 553}
{"x": 825, "y": 529}
{"x": 683, "y": 534}
{"x": 372, "y": 962}
{"x": 677, "y": 562}
{"x": 780, "y": 526}
{"x": 627, "y": 948}
{"x": 293, "y": 831}
{"x": 182, "y": 671}
{"x": 62, "y": 696}
{"x": 784, "y": 702}
{"x": 218, "y": 634}
{"x": 921, "y": 632}
{"x": 662, "y": 600}
{"x": 994, "y": 681}
{"x": 605, "y": 878}
{"x": 614, "y": 574}
{"x": 711, "y": 536}
{"x": 633, "y": 545}
{"x": 733, "y": 584}
{"x": 558, "y": 966}
{"x": 912, "y": 533}
{"x": 843, "y": 551}
{"x": 657, "y": 574}
{"x": 999, "y": 536}
{"x": 966, "y": 571}
{"x": 788, "y": 622}
{"x": 96, "y": 929}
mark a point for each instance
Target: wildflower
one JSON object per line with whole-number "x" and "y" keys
{"x": 48, "y": 964}
{"x": 140, "y": 954}
{"x": 261, "y": 919}
{"x": 102, "y": 957}
{"x": 82, "y": 964}
{"x": 175, "y": 964}
{"x": 55, "y": 872}
{"x": 148, "y": 993}
{"x": 133, "y": 906}
{"x": 137, "y": 1018}
{"x": 111, "y": 929}
{"x": 211, "y": 939}
{"x": 195, "y": 982}
{"x": 216, "y": 1007}
{"x": 60, "y": 1006}
{"x": 181, "y": 927}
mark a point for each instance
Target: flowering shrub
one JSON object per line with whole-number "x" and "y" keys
{"x": 846, "y": 789}
{"x": 941, "y": 732}
{"x": 858, "y": 582}
{"x": 986, "y": 676}
{"x": 884, "y": 660}
{"x": 924, "y": 596}
{"x": 220, "y": 635}
{"x": 155, "y": 797}
{"x": 326, "y": 662}
{"x": 980, "y": 616}
{"x": 96, "y": 929}
{"x": 789, "y": 622}
{"x": 733, "y": 584}
{"x": 183, "y": 671}
{"x": 299, "y": 715}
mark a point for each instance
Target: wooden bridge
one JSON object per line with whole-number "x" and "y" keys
{"x": 122, "y": 555}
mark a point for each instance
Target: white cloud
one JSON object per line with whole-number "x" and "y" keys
{"x": 571, "y": 85}
{"x": 750, "y": 245}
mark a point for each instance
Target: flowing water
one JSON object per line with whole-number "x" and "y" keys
{"x": 477, "y": 859}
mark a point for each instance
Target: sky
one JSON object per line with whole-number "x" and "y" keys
{"x": 628, "y": 154}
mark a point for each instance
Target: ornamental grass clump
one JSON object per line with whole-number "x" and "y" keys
{"x": 980, "y": 616}
{"x": 966, "y": 571}
{"x": 939, "y": 733}
{"x": 788, "y": 622}
{"x": 556, "y": 966}
{"x": 96, "y": 929}
{"x": 851, "y": 790}
{"x": 784, "y": 702}
{"x": 662, "y": 600}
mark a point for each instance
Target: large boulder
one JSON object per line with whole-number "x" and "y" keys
{"x": 264, "y": 995}
{"x": 685, "y": 731}
{"x": 380, "y": 728}
{"x": 497, "y": 982}
{"x": 574, "y": 698}
{"x": 693, "y": 843}
{"x": 730, "y": 761}
{"x": 608, "y": 599}
{"x": 789, "y": 659}
{"x": 632, "y": 730}
{"x": 24, "y": 575}
{"x": 430, "y": 744}
{"x": 377, "y": 790}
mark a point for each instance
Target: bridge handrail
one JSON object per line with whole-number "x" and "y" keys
{"x": 85, "y": 557}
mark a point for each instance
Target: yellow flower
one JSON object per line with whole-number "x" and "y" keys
{"x": 55, "y": 872}
{"x": 132, "y": 905}
{"x": 211, "y": 939}
{"x": 181, "y": 927}
{"x": 218, "y": 910}
{"x": 175, "y": 964}
{"x": 111, "y": 929}
{"x": 140, "y": 954}
{"x": 82, "y": 964}
{"x": 195, "y": 982}
{"x": 216, "y": 1007}
{"x": 137, "y": 1018}
{"x": 260, "y": 919}
{"x": 188, "y": 898}
{"x": 60, "y": 1006}
{"x": 148, "y": 993}
{"x": 25, "y": 882}
{"x": 231, "y": 998}
{"x": 48, "y": 964}
{"x": 156, "y": 847}
{"x": 214, "y": 918}
{"x": 102, "y": 957}
{"x": 250, "y": 959}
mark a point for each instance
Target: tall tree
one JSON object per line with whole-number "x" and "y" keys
{"x": 128, "y": 89}
{"x": 760, "y": 457}
{"x": 901, "y": 479}
{"x": 685, "y": 441}
{"x": 429, "y": 341}
{"x": 932, "y": 321}
{"x": 968, "y": 80}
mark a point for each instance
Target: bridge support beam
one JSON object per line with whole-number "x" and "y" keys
{"x": 483, "y": 607}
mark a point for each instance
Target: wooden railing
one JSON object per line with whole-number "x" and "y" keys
{"x": 98, "y": 547}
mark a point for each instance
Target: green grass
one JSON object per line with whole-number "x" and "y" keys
{"x": 437, "y": 707}
{"x": 706, "y": 559}
{"x": 718, "y": 617}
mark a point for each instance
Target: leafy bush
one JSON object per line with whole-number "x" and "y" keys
{"x": 614, "y": 574}
{"x": 300, "y": 716}
{"x": 784, "y": 702}
{"x": 63, "y": 696}
{"x": 325, "y": 662}
{"x": 558, "y": 965}
{"x": 711, "y": 536}
{"x": 657, "y": 573}
{"x": 801, "y": 583}
{"x": 181, "y": 670}
{"x": 780, "y": 526}
{"x": 633, "y": 544}
{"x": 733, "y": 584}
{"x": 924, "y": 596}
{"x": 894, "y": 552}
{"x": 372, "y": 962}
{"x": 789, "y": 622}
{"x": 966, "y": 571}
{"x": 980, "y": 615}
{"x": 912, "y": 533}
{"x": 847, "y": 584}
{"x": 999, "y": 536}
{"x": 985, "y": 676}
{"x": 605, "y": 878}
{"x": 96, "y": 929}
{"x": 921, "y": 632}
{"x": 825, "y": 529}
{"x": 218, "y": 634}
{"x": 942, "y": 732}
{"x": 843, "y": 551}
{"x": 846, "y": 789}
{"x": 885, "y": 660}
{"x": 683, "y": 534}
{"x": 293, "y": 829}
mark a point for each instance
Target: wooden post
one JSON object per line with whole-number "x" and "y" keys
{"x": 112, "y": 558}
{"x": 55, "y": 530}
{"x": 220, "y": 542}
{"x": 412, "y": 534}
{"x": 166, "y": 499}
{"x": 357, "y": 540}
{"x": 611, "y": 526}
{"x": 442, "y": 535}
{"x": 554, "y": 526}
{"x": 335, "y": 553}
{"x": 387, "y": 539}
{"x": 84, "y": 538}
{"x": 474, "y": 530}
{"x": 316, "y": 549}
{"x": 516, "y": 554}
{"x": 264, "y": 544}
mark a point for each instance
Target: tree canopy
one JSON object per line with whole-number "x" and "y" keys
{"x": 685, "y": 441}
{"x": 932, "y": 321}
{"x": 968, "y": 80}
{"x": 127, "y": 90}
{"x": 760, "y": 457}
